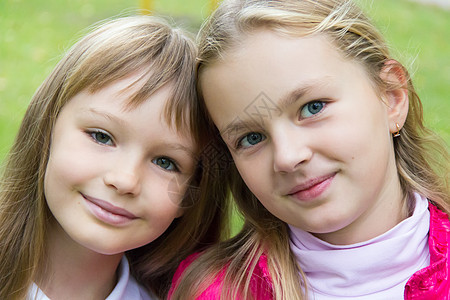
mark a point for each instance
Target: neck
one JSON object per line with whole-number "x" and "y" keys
{"x": 390, "y": 208}
{"x": 74, "y": 271}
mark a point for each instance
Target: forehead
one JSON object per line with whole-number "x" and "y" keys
{"x": 264, "y": 59}
{"x": 273, "y": 66}
{"x": 116, "y": 98}
{"x": 131, "y": 92}
{"x": 267, "y": 52}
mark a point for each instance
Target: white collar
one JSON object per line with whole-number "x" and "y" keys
{"x": 126, "y": 287}
{"x": 375, "y": 269}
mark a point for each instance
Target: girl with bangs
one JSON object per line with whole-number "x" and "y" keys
{"x": 100, "y": 196}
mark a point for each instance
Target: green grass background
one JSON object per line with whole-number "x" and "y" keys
{"x": 34, "y": 34}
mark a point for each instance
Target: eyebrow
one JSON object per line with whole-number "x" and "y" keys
{"x": 236, "y": 127}
{"x": 107, "y": 116}
{"x": 179, "y": 147}
{"x": 299, "y": 92}
{"x": 293, "y": 96}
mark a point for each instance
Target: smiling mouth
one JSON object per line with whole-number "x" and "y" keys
{"x": 312, "y": 189}
{"x": 108, "y": 213}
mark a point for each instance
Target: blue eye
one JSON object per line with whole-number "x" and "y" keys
{"x": 165, "y": 163}
{"x": 311, "y": 108}
{"x": 101, "y": 137}
{"x": 251, "y": 139}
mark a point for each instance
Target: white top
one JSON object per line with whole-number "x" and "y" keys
{"x": 375, "y": 269}
{"x": 126, "y": 288}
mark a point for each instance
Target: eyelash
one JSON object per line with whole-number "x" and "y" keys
{"x": 93, "y": 135}
{"x": 239, "y": 141}
{"x": 171, "y": 162}
{"x": 323, "y": 103}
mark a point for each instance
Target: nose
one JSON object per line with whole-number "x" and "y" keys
{"x": 124, "y": 178}
{"x": 290, "y": 148}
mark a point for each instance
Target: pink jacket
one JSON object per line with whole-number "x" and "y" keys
{"x": 430, "y": 283}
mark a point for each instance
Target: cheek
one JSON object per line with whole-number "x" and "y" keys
{"x": 256, "y": 175}
{"x": 163, "y": 198}
{"x": 351, "y": 135}
{"x": 62, "y": 172}
{"x": 55, "y": 176}
{"x": 176, "y": 189}
{"x": 160, "y": 214}
{"x": 76, "y": 161}
{"x": 362, "y": 147}
{"x": 56, "y": 189}
{"x": 345, "y": 141}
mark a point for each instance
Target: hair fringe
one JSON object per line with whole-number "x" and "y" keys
{"x": 113, "y": 50}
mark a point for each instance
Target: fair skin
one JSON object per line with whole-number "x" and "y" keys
{"x": 309, "y": 134}
{"x": 109, "y": 185}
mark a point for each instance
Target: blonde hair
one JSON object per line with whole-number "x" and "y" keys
{"x": 113, "y": 50}
{"x": 421, "y": 157}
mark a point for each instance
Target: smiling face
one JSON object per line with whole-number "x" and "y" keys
{"x": 308, "y": 133}
{"x": 116, "y": 175}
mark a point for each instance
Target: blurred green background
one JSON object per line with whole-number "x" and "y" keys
{"x": 34, "y": 34}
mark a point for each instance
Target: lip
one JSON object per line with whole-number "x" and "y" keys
{"x": 311, "y": 189}
{"x": 107, "y": 212}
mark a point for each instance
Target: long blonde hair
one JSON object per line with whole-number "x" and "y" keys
{"x": 421, "y": 157}
{"x": 113, "y": 50}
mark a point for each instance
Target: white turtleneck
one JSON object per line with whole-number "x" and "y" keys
{"x": 375, "y": 269}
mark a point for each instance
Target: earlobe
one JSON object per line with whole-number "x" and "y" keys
{"x": 180, "y": 212}
{"x": 395, "y": 94}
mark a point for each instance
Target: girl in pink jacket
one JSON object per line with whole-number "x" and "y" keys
{"x": 344, "y": 191}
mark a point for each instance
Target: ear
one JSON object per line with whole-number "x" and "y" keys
{"x": 396, "y": 93}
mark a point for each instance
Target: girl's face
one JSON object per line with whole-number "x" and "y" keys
{"x": 309, "y": 135}
{"x": 116, "y": 175}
